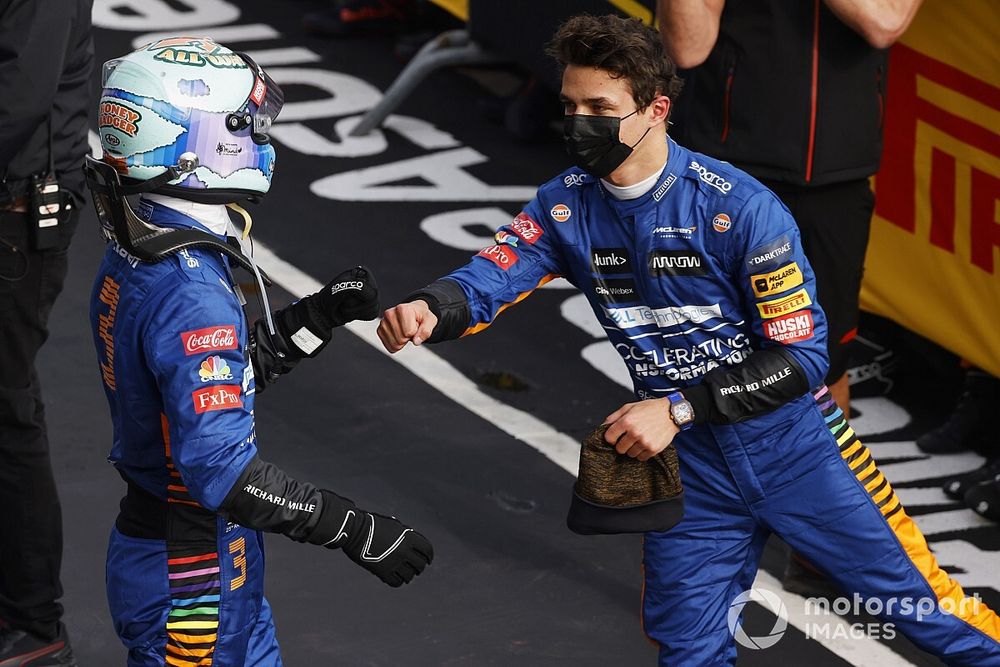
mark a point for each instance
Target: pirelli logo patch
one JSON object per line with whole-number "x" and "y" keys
{"x": 777, "y": 281}
{"x": 790, "y": 328}
{"x": 786, "y": 304}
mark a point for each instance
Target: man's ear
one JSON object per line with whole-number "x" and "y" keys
{"x": 660, "y": 109}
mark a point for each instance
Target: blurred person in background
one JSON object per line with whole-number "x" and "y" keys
{"x": 970, "y": 427}
{"x": 353, "y": 18}
{"x": 46, "y": 56}
{"x": 793, "y": 92}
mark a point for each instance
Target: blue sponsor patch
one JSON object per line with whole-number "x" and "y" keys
{"x": 771, "y": 253}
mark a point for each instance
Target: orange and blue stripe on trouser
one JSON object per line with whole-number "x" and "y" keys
{"x": 801, "y": 473}
{"x": 187, "y": 604}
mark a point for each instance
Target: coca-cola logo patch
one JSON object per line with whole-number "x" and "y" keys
{"x": 209, "y": 339}
{"x": 526, "y": 228}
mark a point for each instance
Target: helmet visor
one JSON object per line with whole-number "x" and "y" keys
{"x": 268, "y": 97}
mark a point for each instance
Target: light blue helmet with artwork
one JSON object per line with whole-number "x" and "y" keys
{"x": 194, "y": 105}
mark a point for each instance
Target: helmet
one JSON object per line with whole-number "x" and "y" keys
{"x": 190, "y": 108}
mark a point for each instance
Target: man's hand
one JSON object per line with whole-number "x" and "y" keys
{"x": 385, "y": 546}
{"x": 641, "y": 430}
{"x": 408, "y": 322}
{"x": 309, "y": 322}
{"x": 352, "y": 295}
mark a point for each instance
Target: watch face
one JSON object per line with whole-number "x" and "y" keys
{"x": 682, "y": 412}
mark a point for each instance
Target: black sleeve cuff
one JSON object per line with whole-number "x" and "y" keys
{"x": 265, "y": 498}
{"x": 447, "y": 301}
{"x": 765, "y": 381}
{"x": 701, "y": 402}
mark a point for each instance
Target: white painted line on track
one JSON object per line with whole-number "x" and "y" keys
{"x": 914, "y": 471}
{"x": 562, "y": 450}
{"x": 221, "y": 34}
{"x": 559, "y": 448}
{"x": 805, "y": 615}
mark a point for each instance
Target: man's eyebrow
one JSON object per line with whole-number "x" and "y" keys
{"x": 590, "y": 101}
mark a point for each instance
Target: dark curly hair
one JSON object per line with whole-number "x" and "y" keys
{"x": 624, "y": 48}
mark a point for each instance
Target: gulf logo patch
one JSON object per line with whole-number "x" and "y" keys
{"x": 560, "y": 213}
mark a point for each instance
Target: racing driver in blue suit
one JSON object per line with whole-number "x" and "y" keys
{"x": 183, "y": 125}
{"x": 696, "y": 272}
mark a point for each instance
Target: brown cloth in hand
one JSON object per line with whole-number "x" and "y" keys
{"x": 615, "y": 493}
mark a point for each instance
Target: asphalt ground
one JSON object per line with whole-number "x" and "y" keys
{"x": 510, "y": 585}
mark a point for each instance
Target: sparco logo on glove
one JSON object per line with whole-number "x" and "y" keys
{"x": 349, "y": 284}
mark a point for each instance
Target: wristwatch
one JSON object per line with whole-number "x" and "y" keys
{"x": 681, "y": 411}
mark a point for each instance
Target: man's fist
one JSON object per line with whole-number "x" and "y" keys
{"x": 386, "y": 547}
{"x": 641, "y": 430}
{"x": 307, "y": 324}
{"x": 352, "y": 295}
{"x": 408, "y": 322}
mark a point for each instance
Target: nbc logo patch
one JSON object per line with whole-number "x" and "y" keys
{"x": 214, "y": 368}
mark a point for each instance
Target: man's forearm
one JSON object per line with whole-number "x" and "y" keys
{"x": 879, "y": 22}
{"x": 689, "y": 29}
{"x": 265, "y": 498}
{"x": 765, "y": 381}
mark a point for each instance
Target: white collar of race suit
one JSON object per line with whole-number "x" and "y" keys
{"x": 626, "y": 192}
{"x": 213, "y": 216}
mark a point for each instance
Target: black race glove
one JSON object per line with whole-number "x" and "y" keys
{"x": 265, "y": 498}
{"x": 308, "y": 323}
{"x": 383, "y": 545}
{"x": 304, "y": 327}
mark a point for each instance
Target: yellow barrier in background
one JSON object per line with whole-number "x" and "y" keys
{"x": 933, "y": 264}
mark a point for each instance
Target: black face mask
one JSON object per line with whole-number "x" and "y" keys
{"x": 592, "y": 142}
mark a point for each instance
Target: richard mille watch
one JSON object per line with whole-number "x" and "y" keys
{"x": 681, "y": 411}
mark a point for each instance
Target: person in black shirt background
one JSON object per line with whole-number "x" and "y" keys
{"x": 46, "y": 59}
{"x": 792, "y": 91}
